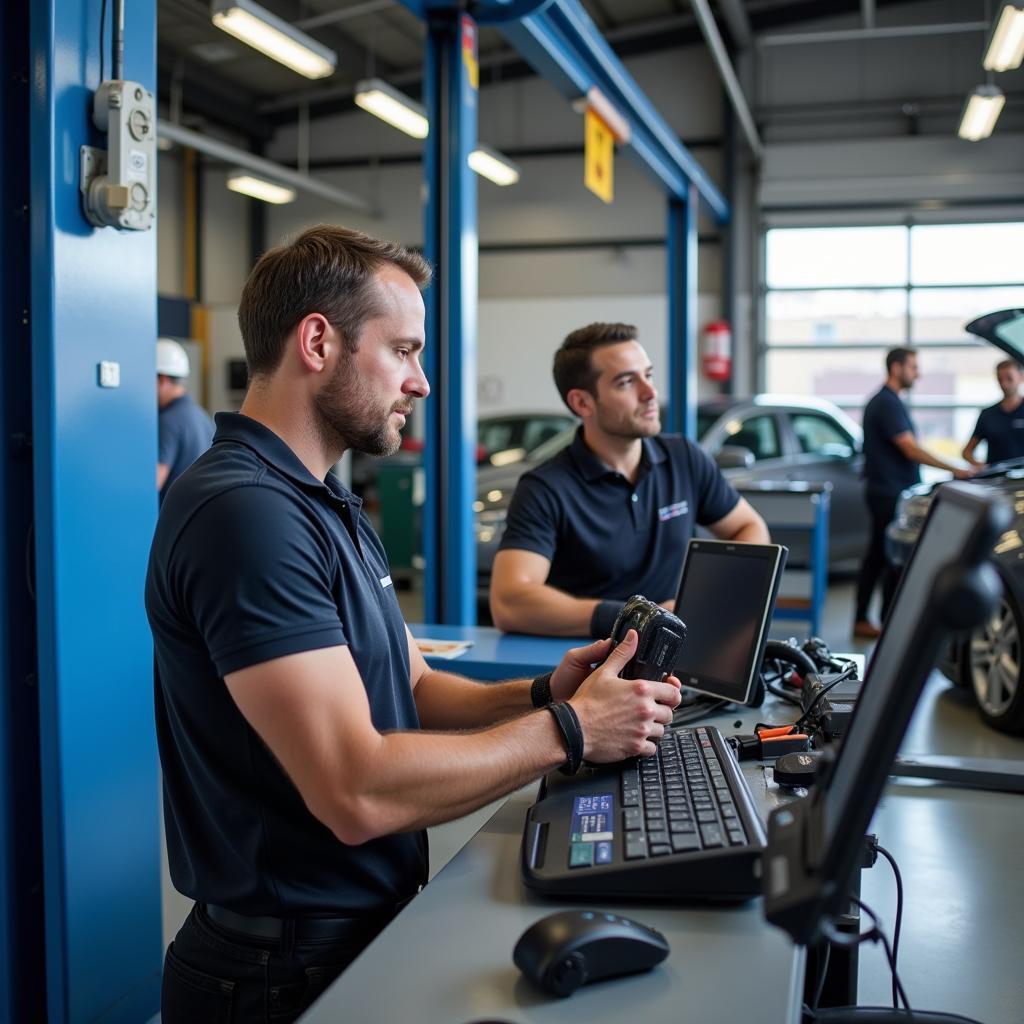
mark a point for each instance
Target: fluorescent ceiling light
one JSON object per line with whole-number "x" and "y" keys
{"x": 384, "y": 101}
{"x": 491, "y": 164}
{"x": 1006, "y": 45}
{"x": 259, "y": 188}
{"x": 980, "y": 113}
{"x": 270, "y": 35}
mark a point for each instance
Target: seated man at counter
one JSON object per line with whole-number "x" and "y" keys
{"x": 611, "y": 515}
{"x": 292, "y": 705}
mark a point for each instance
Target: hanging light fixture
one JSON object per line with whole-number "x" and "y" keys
{"x": 494, "y": 166}
{"x": 274, "y": 37}
{"x": 248, "y": 184}
{"x": 376, "y": 97}
{"x": 981, "y": 112}
{"x": 1006, "y": 44}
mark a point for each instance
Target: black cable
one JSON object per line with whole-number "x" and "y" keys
{"x": 884, "y": 939}
{"x": 899, "y": 916}
{"x": 103, "y": 21}
{"x": 779, "y": 692}
{"x": 842, "y": 677}
{"x": 820, "y": 987}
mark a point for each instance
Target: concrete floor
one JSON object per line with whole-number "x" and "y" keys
{"x": 950, "y": 967}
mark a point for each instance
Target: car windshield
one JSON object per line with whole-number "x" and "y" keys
{"x": 1012, "y": 332}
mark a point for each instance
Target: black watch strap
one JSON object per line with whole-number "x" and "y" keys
{"x": 572, "y": 734}
{"x": 540, "y": 692}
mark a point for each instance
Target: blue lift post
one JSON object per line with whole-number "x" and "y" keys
{"x": 682, "y": 314}
{"x": 450, "y": 93}
{"x": 561, "y": 43}
{"x": 93, "y": 298}
{"x": 22, "y": 976}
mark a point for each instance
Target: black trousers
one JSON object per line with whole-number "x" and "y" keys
{"x": 876, "y": 568}
{"x": 213, "y": 975}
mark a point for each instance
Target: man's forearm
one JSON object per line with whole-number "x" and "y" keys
{"x": 419, "y": 779}
{"x": 538, "y": 608}
{"x": 927, "y": 459}
{"x": 445, "y": 700}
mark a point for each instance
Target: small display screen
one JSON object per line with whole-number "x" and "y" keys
{"x": 725, "y": 598}
{"x": 592, "y": 818}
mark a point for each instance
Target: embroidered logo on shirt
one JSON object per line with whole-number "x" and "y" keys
{"x": 667, "y": 512}
{"x": 385, "y": 581}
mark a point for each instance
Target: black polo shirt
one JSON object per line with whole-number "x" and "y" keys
{"x": 607, "y": 538}
{"x": 887, "y": 470}
{"x": 254, "y": 558}
{"x": 1003, "y": 431}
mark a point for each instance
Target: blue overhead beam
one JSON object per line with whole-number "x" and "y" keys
{"x": 563, "y": 45}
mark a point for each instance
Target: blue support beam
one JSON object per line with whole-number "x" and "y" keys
{"x": 682, "y": 315}
{"x": 22, "y": 976}
{"x": 562, "y": 44}
{"x": 452, "y": 247}
{"x": 93, "y": 299}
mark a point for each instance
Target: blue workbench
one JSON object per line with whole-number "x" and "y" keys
{"x": 496, "y": 655}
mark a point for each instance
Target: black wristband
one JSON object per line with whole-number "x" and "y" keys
{"x": 572, "y": 734}
{"x": 540, "y": 692}
{"x": 603, "y": 619}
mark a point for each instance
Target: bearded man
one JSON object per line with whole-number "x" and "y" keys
{"x": 304, "y": 741}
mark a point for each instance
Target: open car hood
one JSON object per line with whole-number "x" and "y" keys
{"x": 1004, "y": 329}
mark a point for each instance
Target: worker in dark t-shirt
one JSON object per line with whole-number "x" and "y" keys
{"x": 891, "y": 460}
{"x": 305, "y": 743}
{"x": 1001, "y": 426}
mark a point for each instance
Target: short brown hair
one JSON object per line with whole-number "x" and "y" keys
{"x": 326, "y": 269}
{"x": 573, "y": 366}
{"x": 897, "y": 357}
{"x": 1007, "y": 363}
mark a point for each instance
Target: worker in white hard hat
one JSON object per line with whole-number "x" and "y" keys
{"x": 185, "y": 430}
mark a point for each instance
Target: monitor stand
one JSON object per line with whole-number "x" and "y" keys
{"x": 993, "y": 773}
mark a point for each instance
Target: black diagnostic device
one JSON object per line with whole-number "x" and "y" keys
{"x": 661, "y": 638}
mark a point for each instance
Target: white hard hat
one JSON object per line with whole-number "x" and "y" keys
{"x": 171, "y": 358}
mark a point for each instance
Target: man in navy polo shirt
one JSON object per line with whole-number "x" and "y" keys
{"x": 891, "y": 460}
{"x": 611, "y": 515}
{"x": 291, "y": 702}
{"x": 1001, "y": 425}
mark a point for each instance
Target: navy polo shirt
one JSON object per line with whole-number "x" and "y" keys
{"x": 1003, "y": 431}
{"x": 886, "y": 469}
{"x": 185, "y": 431}
{"x": 608, "y": 538}
{"x": 253, "y": 559}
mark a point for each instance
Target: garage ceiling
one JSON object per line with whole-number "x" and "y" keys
{"x": 205, "y": 76}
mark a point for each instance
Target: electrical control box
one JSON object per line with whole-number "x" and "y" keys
{"x": 119, "y": 185}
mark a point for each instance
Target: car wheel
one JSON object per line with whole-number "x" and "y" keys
{"x": 992, "y": 667}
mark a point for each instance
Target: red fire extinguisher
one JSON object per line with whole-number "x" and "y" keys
{"x": 716, "y": 355}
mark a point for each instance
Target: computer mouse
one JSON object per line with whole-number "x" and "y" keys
{"x": 570, "y": 948}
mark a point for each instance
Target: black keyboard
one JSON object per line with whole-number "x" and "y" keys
{"x": 679, "y": 825}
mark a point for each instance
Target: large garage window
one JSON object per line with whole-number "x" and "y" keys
{"x": 852, "y": 293}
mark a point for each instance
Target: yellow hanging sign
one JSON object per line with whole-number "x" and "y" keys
{"x": 599, "y": 153}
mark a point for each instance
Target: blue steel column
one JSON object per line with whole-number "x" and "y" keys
{"x": 682, "y": 314}
{"x": 94, "y": 451}
{"x": 22, "y": 977}
{"x": 452, "y": 248}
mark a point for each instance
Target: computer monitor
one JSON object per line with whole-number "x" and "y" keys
{"x": 815, "y": 844}
{"x": 726, "y": 597}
